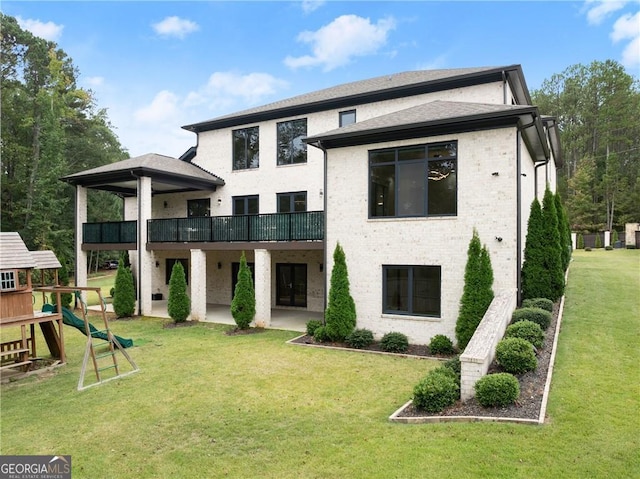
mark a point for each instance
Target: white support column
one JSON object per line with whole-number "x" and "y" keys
{"x": 263, "y": 288}
{"x": 198, "y": 284}
{"x": 607, "y": 238}
{"x": 574, "y": 240}
{"x": 81, "y": 256}
{"x": 145, "y": 258}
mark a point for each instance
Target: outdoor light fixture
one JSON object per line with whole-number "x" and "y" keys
{"x": 499, "y": 239}
{"x": 219, "y": 201}
{"x": 321, "y": 267}
{"x": 157, "y": 264}
{"x": 166, "y": 204}
{"x": 219, "y": 265}
{"x": 495, "y": 173}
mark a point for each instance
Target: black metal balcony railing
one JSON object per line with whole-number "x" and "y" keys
{"x": 112, "y": 232}
{"x": 304, "y": 226}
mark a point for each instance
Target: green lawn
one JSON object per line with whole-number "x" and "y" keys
{"x": 103, "y": 280}
{"x": 207, "y": 405}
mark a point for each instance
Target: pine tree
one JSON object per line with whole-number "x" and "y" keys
{"x": 340, "y": 316}
{"x": 553, "y": 253}
{"x": 580, "y": 241}
{"x": 535, "y": 278}
{"x": 178, "y": 304}
{"x": 124, "y": 299}
{"x": 477, "y": 294}
{"x": 565, "y": 232}
{"x": 243, "y": 305}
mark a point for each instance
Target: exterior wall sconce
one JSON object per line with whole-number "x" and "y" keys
{"x": 219, "y": 201}
{"x": 499, "y": 239}
{"x": 321, "y": 267}
{"x": 166, "y": 205}
{"x": 321, "y": 192}
{"x": 219, "y": 265}
{"x": 495, "y": 173}
{"x": 523, "y": 174}
{"x": 157, "y": 264}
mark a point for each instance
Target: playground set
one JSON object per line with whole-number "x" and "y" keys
{"x": 18, "y": 356}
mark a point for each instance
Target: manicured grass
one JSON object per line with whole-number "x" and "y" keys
{"x": 209, "y": 405}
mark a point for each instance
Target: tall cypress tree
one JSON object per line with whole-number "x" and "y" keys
{"x": 565, "y": 232}
{"x": 124, "y": 298}
{"x": 535, "y": 278}
{"x": 477, "y": 294}
{"x": 243, "y": 305}
{"x": 340, "y": 315}
{"x": 178, "y": 304}
{"x": 553, "y": 249}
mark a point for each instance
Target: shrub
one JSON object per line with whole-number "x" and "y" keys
{"x": 477, "y": 293}
{"x": 580, "y": 241}
{"x": 124, "y": 299}
{"x": 587, "y": 249}
{"x": 321, "y": 335}
{"x": 394, "y": 343}
{"x": 340, "y": 316}
{"x": 499, "y": 389}
{"x": 537, "y": 315}
{"x": 441, "y": 344}
{"x": 608, "y": 248}
{"x": 630, "y": 246}
{"x": 360, "y": 338}
{"x": 178, "y": 304}
{"x": 312, "y": 326}
{"x": 543, "y": 303}
{"x": 243, "y": 305}
{"x": 112, "y": 292}
{"x": 455, "y": 365}
{"x": 527, "y": 330}
{"x": 598, "y": 243}
{"x": 516, "y": 355}
{"x": 436, "y": 391}
{"x": 614, "y": 237}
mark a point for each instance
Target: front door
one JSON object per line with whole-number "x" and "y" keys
{"x": 291, "y": 286}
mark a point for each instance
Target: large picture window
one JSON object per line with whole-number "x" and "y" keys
{"x": 291, "y": 148}
{"x": 413, "y": 181}
{"x": 246, "y": 148}
{"x": 411, "y": 290}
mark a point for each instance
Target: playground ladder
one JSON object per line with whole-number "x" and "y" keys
{"x": 101, "y": 352}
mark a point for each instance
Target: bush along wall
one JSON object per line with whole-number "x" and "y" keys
{"x": 243, "y": 305}
{"x": 124, "y": 299}
{"x": 477, "y": 294}
{"x": 340, "y": 316}
{"x": 178, "y": 303}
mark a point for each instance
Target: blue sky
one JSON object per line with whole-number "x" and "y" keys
{"x": 159, "y": 65}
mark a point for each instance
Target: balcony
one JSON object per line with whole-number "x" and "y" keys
{"x": 304, "y": 226}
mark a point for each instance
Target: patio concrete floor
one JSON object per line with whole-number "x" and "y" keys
{"x": 289, "y": 319}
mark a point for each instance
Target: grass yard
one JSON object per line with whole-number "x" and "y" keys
{"x": 104, "y": 280}
{"x": 207, "y": 405}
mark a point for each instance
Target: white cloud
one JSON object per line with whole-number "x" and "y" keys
{"x": 175, "y": 27}
{"x": 164, "y": 106}
{"x": 48, "y": 31}
{"x": 309, "y": 6}
{"x": 627, "y": 27}
{"x": 338, "y": 42}
{"x": 224, "y": 89}
{"x": 598, "y": 10}
{"x": 94, "y": 82}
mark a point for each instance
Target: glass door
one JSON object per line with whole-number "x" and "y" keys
{"x": 291, "y": 285}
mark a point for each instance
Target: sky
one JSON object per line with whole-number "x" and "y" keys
{"x": 156, "y": 66}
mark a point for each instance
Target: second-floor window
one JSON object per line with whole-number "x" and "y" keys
{"x": 201, "y": 207}
{"x": 291, "y": 148}
{"x": 292, "y": 202}
{"x": 246, "y": 148}
{"x": 347, "y": 117}
{"x": 246, "y": 205}
{"x": 413, "y": 181}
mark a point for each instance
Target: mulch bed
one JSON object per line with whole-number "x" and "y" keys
{"x": 532, "y": 384}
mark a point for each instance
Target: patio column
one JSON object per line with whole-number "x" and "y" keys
{"x": 145, "y": 258}
{"x": 80, "y": 271}
{"x": 263, "y": 288}
{"x": 198, "y": 284}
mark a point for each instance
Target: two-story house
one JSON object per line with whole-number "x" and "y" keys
{"x": 398, "y": 169}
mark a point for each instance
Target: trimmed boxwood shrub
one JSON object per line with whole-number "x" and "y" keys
{"x": 394, "y": 343}
{"x": 321, "y": 335}
{"x": 312, "y": 325}
{"x": 527, "y": 330}
{"x": 436, "y": 391}
{"x": 542, "y": 303}
{"x": 455, "y": 365}
{"x": 499, "y": 389}
{"x": 360, "y": 338}
{"x": 441, "y": 344}
{"x": 516, "y": 355}
{"x": 537, "y": 315}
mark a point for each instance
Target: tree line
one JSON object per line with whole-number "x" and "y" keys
{"x": 50, "y": 127}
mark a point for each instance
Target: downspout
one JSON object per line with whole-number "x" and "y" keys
{"x": 504, "y": 87}
{"x": 518, "y": 218}
{"x": 319, "y": 144}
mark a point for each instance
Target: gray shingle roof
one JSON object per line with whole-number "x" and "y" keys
{"x": 46, "y": 260}
{"x": 14, "y": 253}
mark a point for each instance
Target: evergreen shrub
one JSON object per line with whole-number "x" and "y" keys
{"x": 598, "y": 243}
{"x": 441, "y": 344}
{"x": 178, "y": 304}
{"x": 436, "y": 391}
{"x": 580, "y": 241}
{"x": 455, "y": 365}
{"x": 340, "y": 316}
{"x": 321, "y": 335}
{"x": 516, "y": 355}
{"x": 312, "y": 325}
{"x": 608, "y": 248}
{"x": 527, "y": 330}
{"x": 394, "y": 343}
{"x": 537, "y": 315}
{"x": 124, "y": 299}
{"x": 495, "y": 390}
{"x": 543, "y": 303}
{"x": 243, "y": 305}
{"x": 360, "y": 338}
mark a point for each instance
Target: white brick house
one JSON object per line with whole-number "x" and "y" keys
{"x": 346, "y": 164}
